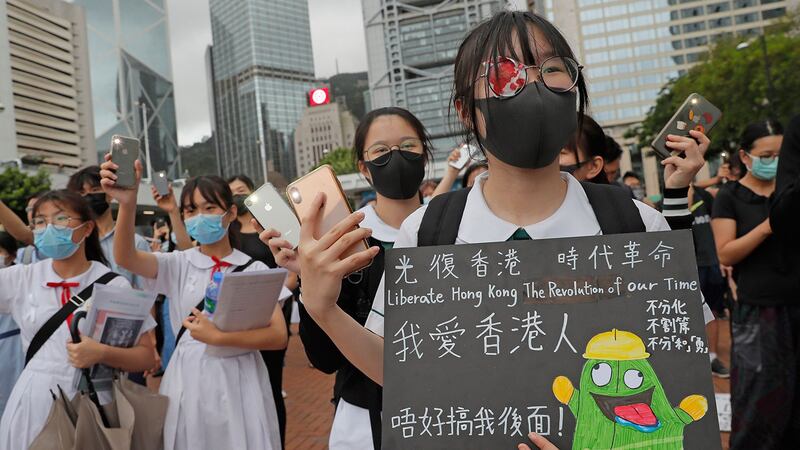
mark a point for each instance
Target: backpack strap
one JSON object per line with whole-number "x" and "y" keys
{"x": 442, "y": 219}
{"x": 61, "y": 315}
{"x": 615, "y": 210}
{"x": 202, "y": 303}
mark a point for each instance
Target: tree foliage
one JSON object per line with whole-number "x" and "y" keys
{"x": 341, "y": 159}
{"x": 16, "y": 186}
{"x": 735, "y": 81}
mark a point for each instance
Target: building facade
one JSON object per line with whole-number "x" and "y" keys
{"x": 263, "y": 68}
{"x": 632, "y": 48}
{"x": 322, "y": 129}
{"x": 45, "y": 94}
{"x": 411, "y": 47}
{"x": 131, "y": 77}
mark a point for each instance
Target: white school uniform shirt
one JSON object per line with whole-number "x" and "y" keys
{"x": 351, "y": 429}
{"x": 26, "y": 296}
{"x": 107, "y": 245}
{"x": 214, "y": 403}
{"x": 574, "y": 218}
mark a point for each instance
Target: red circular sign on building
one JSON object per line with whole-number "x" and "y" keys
{"x": 319, "y": 96}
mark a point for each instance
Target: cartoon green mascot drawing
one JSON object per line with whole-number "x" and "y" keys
{"x": 621, "y": 403}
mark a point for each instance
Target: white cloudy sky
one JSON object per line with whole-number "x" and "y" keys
{"x": 336, "y": 33}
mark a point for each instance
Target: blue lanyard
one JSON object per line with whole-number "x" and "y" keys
{"x": 9, "y": 334}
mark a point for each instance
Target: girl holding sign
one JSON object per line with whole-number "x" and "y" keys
{"x": 391, "y": 149}
{"x": 520, "y": 95}
{"x": 214, "y": 402}
{"x": 66, "y": 235}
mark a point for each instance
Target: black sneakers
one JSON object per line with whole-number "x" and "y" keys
{"x": 718, "y": 369}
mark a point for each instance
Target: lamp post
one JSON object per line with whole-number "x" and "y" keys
{"x": 767, "y": 72}
{"x": 146, "y": 140}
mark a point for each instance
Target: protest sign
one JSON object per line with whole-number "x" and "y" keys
{"x": 595, "y": 342}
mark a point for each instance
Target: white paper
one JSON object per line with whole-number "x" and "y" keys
{"x": 246, "y": 301}
{"x": 115, "y": 318}
{"x": 724, "y": 411}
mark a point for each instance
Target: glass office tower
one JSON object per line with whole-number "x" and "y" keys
{"x": 263, "y": 68}
{"x": 131, "y": 77}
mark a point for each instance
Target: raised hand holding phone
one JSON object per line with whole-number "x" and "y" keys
{"x": 108, "y": 180}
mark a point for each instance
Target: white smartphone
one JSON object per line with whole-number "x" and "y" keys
{"x": 271, "y": 211}
{"x": 463, "y": 158}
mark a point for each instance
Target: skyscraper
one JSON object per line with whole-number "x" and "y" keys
{"x": 45, "y": 97}
{"x": 263, "y": 68}
{"x": 322, "y": 129}
{"x": 411, "y": 47}
{"x": 131, "y": 76}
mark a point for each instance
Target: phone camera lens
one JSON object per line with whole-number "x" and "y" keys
{"x": 294, "y": 193}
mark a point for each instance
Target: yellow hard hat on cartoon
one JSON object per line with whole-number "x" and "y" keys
{"x": 616, "y": 345}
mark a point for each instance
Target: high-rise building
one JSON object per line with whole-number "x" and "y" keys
{"x": 45, "y": 96}
{"x": 322, "y": 129}
{"x": 411, "y": 47}
{"x": 632, "y": 48}
{"x": 131, "y": 77}
{"x": 263, "y": 68}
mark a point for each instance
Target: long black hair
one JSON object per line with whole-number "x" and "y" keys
{"x": 71, "y": 200}
{"x": 216, "y": 191}
{"x": 494, "y": 38}
{"x": 363, "y": 129}
{"x": 591, "y": 139}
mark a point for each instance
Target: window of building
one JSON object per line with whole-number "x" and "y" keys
{"x": 719, "y": 7}
{"x": 746, "y": 18}
{"x": 693, "y": 27}
{"x": 638, "y": 21}
{"x": 773, "y": 13}
{"x": 603, "y": 100}
{"x": 738, "y": 4}
{"x": 644, "y": 35}
{"x": 642, "y": 5}
{"x": 604, "y": 116}
{"x": 591, "y": 14}
{"x": 619, "y": 24}
{"x": 692, "y": 12}
{"x": 619, "y": 39}
{"x": 598, "y": 57}
{"x": 595, "y": 28}
{"x": 599, "y": 42}
{"x": 618, "y": 10}
{"x": 719, "y": 23}
{"x": 621, "y": 53}
{"x": 695, "y": 57}
{"x": 696, "y": 41}
{"x": 677, "y": 45}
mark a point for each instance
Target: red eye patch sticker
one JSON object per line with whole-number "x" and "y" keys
{"x": 707, "y": 117}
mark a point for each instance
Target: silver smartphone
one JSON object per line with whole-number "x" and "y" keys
{"x": 463, "y": 158}
{"x": 271, "y": 211}
{"x": 161, "y": 183}
{"x": 696, "y": 113}
{"x": 124, "y": 153}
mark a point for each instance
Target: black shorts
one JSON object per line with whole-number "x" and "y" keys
{"x": 712, "y": 284}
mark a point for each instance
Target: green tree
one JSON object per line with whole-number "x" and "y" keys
{"x": 735, "y": 81}
{"x": 16, "y": 186}
{"x": 341, "y": 160}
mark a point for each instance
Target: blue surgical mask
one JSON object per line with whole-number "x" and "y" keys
{"x": 763, "y": 170}
{"x": 206, "y": 228}
{"x": 55, "y": 242}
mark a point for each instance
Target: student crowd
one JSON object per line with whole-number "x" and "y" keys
{"x": 544, "y": 168}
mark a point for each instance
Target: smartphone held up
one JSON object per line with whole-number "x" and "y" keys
{"x": 696, "y": 113}
{"x": 124, "y": 153}
{"x": 269, "y": 208}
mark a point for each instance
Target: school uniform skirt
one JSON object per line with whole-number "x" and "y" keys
{"x": 30, "y": 401}
{"x": 218, "y": 403}
{"x": 351, "y": 429}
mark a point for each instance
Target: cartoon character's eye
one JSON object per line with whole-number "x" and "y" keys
{"x": 633, "y": 378}
{"x": 601, "y": 374}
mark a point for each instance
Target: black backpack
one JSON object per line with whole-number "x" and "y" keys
{"x": 615, "y": 211}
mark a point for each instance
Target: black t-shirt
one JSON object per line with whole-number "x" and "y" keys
{"x": 704, "y": 248}
{"x": 763, "y": 277}
{"x": 251, "y": 245}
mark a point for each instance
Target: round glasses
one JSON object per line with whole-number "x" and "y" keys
{"x": 507, "y": 77}
{"x": 59, "y": 221}
{"x": 380, "y": 154}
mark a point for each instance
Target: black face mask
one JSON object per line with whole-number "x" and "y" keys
{"x": 98, "y": 203}
{"x": 238, "y": 200}
{"x": 397, "y": 174}
{"x": 530, "y": 129}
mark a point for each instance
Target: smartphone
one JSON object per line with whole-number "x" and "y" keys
{"x": 270, "y": 210}
{"x": 696, "y": 113}
{"x": 464, "y": 157}
{"x": 161, "y": 183}
{"x": 301, "y": 194}
{"x": 124, "y": 153}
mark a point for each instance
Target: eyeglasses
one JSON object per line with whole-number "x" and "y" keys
{"x": 571, "y": 168}
{"x": 59, "y": 221}
{"x": 767, "y": 159}
{"x": 507, "y": 77}
{"x": 408, "y": 146}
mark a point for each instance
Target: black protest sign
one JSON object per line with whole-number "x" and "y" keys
{"x": 595, "y": 342}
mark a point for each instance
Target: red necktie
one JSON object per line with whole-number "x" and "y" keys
{"x": 66, "y": 294}
{"x": 218, "y": 265}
